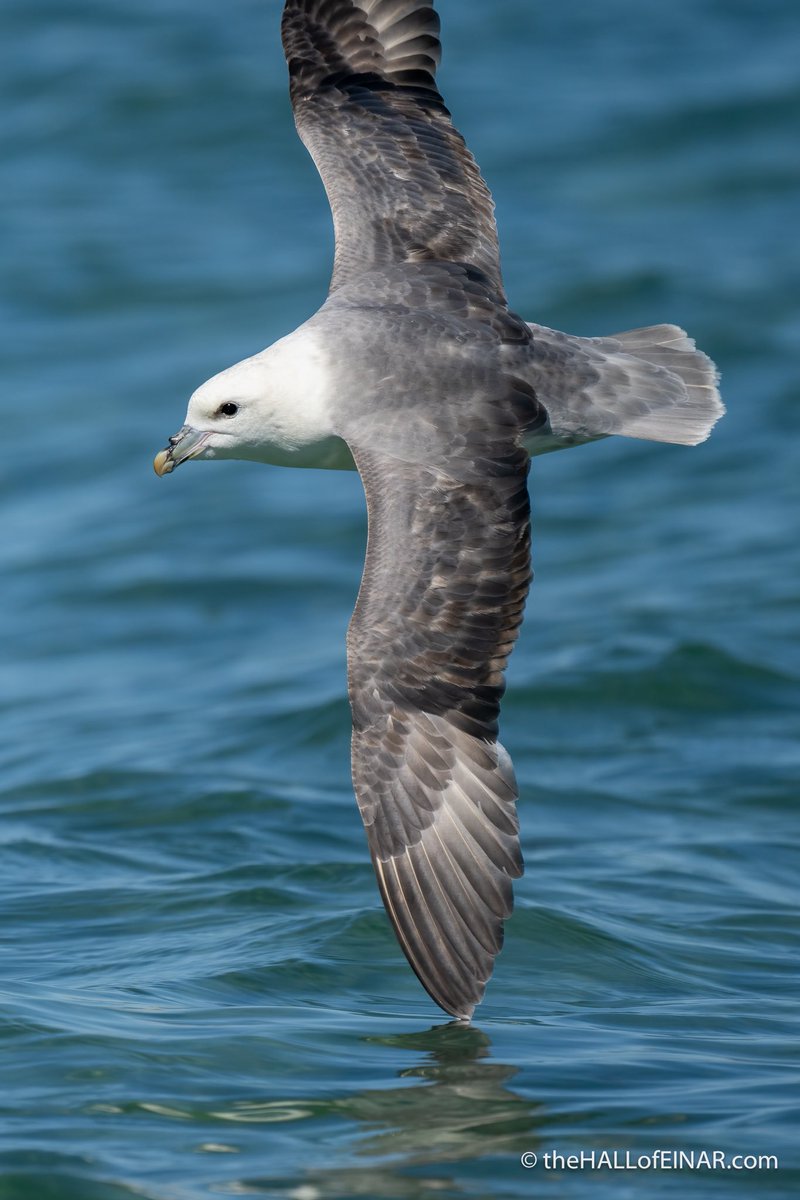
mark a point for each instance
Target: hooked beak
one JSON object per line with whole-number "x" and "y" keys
{"x": 187, "y": 443}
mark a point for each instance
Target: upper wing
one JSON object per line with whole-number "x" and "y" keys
{"x": 445, "y": 580}
{"x": 401, "y": 183}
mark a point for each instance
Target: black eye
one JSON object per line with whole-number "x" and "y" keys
{"x": 228, "y": 410}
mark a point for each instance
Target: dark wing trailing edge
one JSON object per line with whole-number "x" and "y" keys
{"x": 402, "y": 185}
{"x": 441, "y": 600}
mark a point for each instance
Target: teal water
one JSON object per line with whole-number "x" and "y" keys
{"x": 200, "y": 993}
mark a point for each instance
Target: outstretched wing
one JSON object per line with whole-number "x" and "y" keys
{"x": 441, "y": 600}
{"x": 402, "y": 185}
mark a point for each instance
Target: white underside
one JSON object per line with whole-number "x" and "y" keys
{"x": 329, "y": 454}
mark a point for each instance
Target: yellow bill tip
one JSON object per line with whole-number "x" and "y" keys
{"x": 163, "y": 462}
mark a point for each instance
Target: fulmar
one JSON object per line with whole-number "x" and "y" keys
{"x": 416, "y": 373}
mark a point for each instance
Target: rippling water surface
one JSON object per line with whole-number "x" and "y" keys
{"x": 201, "y": 994}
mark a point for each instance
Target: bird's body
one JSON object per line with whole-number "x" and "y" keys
{"x": 417, "y": 373}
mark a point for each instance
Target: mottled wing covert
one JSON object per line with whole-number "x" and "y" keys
{"x": 445, "y": 580}
{"x": 401, "y": 183}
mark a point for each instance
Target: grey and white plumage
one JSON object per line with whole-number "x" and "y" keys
{"x": 401, "y": 183}
{"x": 416, "y": 372}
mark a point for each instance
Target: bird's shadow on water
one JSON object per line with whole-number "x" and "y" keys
{"x": 453, "y": 1106}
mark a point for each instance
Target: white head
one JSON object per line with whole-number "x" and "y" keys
{"x": 265, "y": 408}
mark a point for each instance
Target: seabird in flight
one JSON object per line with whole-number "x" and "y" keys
{"x": 416, "y": 373}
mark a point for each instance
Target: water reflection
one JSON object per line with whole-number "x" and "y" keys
{"x": 465, "y": 1110}
{"x": 455, "y": 1105}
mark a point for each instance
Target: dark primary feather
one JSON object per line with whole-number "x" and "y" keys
{"x": 441, "y": 600}
{"x": 401, "y": 183}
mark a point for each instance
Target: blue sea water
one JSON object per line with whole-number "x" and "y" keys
{"x": 200, "y": 993}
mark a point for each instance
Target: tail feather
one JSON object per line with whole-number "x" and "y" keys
{"x": 648, "y": 383}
